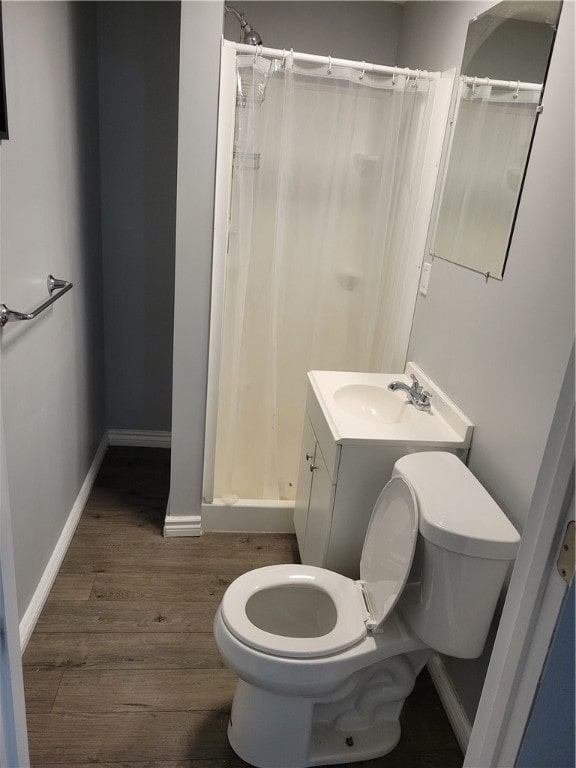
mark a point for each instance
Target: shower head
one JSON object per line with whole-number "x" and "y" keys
{"x": 248, "y": 34}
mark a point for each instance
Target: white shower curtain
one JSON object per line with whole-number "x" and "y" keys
{"x": 327, "y": 167}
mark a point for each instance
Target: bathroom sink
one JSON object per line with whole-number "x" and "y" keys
{"x": 359, "y": 407}
{"x": 373, "y": 403}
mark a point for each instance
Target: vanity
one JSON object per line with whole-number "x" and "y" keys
{"x": 354, "y": 431}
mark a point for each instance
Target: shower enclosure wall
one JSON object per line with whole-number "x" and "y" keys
{"x": 325, "y": 180}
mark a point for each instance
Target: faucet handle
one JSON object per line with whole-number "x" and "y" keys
{"x": 416, "y": 386}
{"x": 424, "y": 398}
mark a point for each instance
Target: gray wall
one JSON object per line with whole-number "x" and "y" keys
{"x": 350, "y": 30}
{"x": 433, "y": 34}
{"x": 138, "y": 50}
{"x": 500, "y": 349}
{"x": 53, "y": 384}
{"x": 488, "y": 53}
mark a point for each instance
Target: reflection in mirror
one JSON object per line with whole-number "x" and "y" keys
{"x": 499, "y": 93}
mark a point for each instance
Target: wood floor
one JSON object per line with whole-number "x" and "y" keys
{"x": 122, "y": 670}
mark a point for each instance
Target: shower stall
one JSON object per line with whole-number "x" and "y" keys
{"x": 325, "y": 179}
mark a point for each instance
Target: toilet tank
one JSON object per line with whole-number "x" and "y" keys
{"x": 464, "y": 549}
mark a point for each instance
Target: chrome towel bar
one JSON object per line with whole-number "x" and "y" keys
{"x": 56, "y": 289}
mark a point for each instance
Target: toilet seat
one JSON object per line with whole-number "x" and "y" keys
{"x": 301, "y": 611}
{"x": 344, "y": 594}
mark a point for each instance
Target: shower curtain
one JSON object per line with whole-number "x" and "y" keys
{"x": 327, "y": 166}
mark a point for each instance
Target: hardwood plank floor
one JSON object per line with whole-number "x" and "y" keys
{"x": 117, "y": 650}
{"x": 122, "y": 669}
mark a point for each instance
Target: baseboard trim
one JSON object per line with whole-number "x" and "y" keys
{"x": 458, "y": 718}
{"x": 42, "y": 591}
{"x": 141, "y": 438}
{"x": 180, "y": 525}
{"x": 248, "y": 516}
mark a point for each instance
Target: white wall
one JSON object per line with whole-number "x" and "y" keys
{"x": 52, "y": 387}
{"x": 500, "y": 349}
{"x": 138, "y": 52}
{"x": 197, "y": 121}
{"x": 350, "y": 30}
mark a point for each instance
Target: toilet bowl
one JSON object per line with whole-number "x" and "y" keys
{"x": 325, "y": 662}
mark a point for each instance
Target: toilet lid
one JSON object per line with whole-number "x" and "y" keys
{"x": 389, "y": 547}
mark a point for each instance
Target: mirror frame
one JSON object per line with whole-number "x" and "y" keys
{"x": 446, "y": 151}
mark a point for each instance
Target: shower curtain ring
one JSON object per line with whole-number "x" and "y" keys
{"x": 257, "y": 53}
{"x": 515, "y": 96}
{"x": 363, "y": 70}
{"x": 284, "y": 55}
{"x": 329, "y": 65}
{"x": 394, "y": 76}
{"x": 474, "y": 86}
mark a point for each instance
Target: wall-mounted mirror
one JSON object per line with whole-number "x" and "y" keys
{"x": 499, "y": 94}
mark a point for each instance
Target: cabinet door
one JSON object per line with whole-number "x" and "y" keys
{"x": 304, "y": 484}
{"x": 319, "y": 513}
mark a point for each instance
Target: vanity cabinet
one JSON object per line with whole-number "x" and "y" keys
{"x": 334, "y": 501}
{"x": 313, "y": 506}
{"x": 340, "y": 478}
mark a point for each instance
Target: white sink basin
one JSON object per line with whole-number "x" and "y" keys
{"x": 373, "y": 403}
{"x": 359, "y": 407}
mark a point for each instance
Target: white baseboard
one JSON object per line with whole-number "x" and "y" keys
{"x": 459, "y": 721}
{"x": 249, "y": 516}
{"x": 181, "y": 525}
{"x": 141, "y": 438}
{"x": 40, "y": 595}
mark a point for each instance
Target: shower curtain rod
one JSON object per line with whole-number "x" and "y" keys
{"x": 365, "y": 66}
{"x": 513, "y": 85}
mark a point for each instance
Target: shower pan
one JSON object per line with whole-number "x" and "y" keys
{"x": 325, "y": 179}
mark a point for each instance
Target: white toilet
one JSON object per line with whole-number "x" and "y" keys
{"x": 325, "y": 663}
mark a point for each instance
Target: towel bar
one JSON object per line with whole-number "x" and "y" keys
{"x": 56, "y": 289}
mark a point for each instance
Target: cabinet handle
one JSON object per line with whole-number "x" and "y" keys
{"x": 309, "y": 456}
{"x": 313, "y": 467}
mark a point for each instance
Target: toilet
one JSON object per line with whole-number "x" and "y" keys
{"x": 325, "y": 662}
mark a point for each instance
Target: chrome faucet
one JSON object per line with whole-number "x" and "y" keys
{"x": 417, "y": 395}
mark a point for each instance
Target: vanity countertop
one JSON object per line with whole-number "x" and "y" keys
{"x": 359, "y": 407}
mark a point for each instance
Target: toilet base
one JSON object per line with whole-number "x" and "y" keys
{"x": 269, "y": 730}
{"x": 358, "y": 722}
{"x": 327, "y": 746}
{"x": 330, "y": 746}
